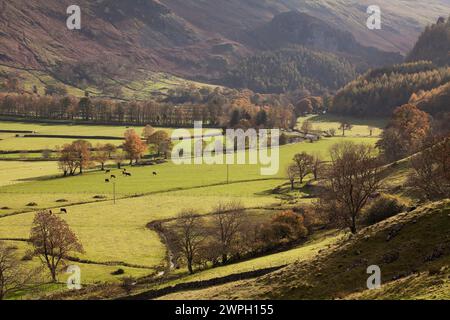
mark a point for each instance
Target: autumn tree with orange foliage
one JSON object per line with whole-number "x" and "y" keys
{"x": 76, "y": 155}
{"x": 405, "y": 133}
{"x": 133, "y": 146}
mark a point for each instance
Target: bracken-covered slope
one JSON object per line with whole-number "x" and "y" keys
{"x": 410, "y": 248}
{"x": 189, "y": 38}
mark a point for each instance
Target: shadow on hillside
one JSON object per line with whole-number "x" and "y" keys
{"x": 377, "y": 122}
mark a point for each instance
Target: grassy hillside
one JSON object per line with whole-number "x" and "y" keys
{"x": 145, "y": 85}
{"x": 411, "y": 246}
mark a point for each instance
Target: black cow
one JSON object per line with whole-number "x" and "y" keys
{"x": 127, "y": 174}
{"x": 107, "y": 171}
{"x": 106, "y": 180}
{"x": 113, "y": 176}
{"x": 154, "y": 173}
{"x": 63, "y": 210}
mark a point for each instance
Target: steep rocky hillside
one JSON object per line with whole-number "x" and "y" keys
{"x": 298, "y": 28}
{"x": 193, "y": 38}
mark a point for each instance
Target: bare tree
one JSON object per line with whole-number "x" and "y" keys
{"x": 431, "y": 171}
{"x": 352, "y": 177}
{"x": 227, "y": 218}
{"x": 303, "y": 162}
{"x": 147, "y": 132}
{"x": 291, "y": 172}
{"x": 344, "y": 126}
{"x": 317, "y": 165}
{"x": 53, "y": 240}
{"x": 307, "y": 127}
{"x": 13, "y": 276}
{"x": 190, "y": 236}
{"x": 119, "y": 157}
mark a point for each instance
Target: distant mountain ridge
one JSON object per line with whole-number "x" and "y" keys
{"x": 194, "y": 39}
{"x": 299, "y": 28}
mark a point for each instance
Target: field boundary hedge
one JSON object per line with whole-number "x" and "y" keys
{"x": 195, "y": 285}
{"x": 65, "y": 136}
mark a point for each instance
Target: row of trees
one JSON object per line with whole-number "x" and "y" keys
{"x": 229, "y": 233}
{"x": 220, "y": 108}
{"x": 80, "y": 154}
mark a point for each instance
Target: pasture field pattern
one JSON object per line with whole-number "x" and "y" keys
{"x": 115, "y": 235}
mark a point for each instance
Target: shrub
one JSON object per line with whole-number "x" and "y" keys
{"x": 284, "y": 227}
{"x": 128, "y": 284}
{"x": 118, "y": 272}
{"x": 32, "y": 204}
{"x": 99, "y": 197}
{"x": 385, "y": 206}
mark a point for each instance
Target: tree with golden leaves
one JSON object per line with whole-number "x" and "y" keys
{"x": 405, "y": 133}
{"x": 133, "y": 146}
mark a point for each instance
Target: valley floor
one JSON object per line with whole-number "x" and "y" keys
{"x": 115, "y": 235}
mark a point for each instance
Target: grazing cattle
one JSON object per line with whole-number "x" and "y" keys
{"x": 50, "y": 211}
{"x": 127, "y": 174}
{"x": 113, "y": 176}
{"x": 107, "y": 171}
{"x": 63, "y": 210}
{"x": 106, "y": 180}
{"x": 154, "y": 173}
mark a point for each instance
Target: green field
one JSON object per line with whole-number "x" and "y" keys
{"x": 114, "y": 235}
{"x": 9, "y": 141}
{"x": 361, "y": 127}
